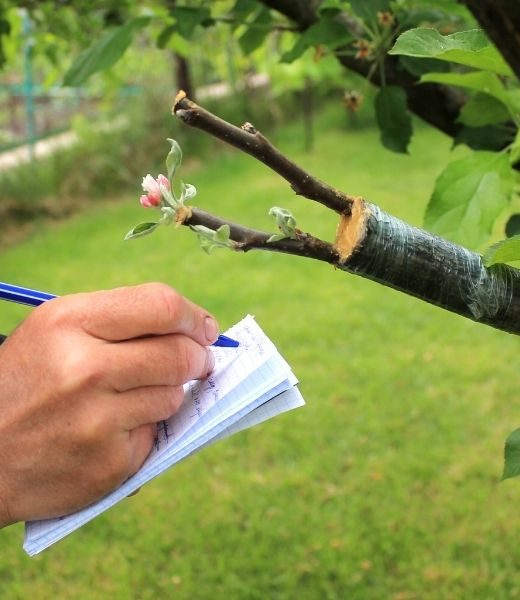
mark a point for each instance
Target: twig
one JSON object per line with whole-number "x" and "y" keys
{"x": 251, "y": 141}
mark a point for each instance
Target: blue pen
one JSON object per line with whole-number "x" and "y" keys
{"x": 21, "y": 295}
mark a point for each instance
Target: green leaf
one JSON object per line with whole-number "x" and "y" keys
{"x": 393, "y": 118}
{"x": 173, "y": 159}
{"x": 222, "y": 234}
{"x": 479, "y": 81}
{"x": 242, "y": 9}
{"x": 468, "y": 197}
{"x": 514, "y": 155}
{"x": 489, "y": 137}
{"x": 512, "y": 455}
{"x": 103, "y": 53}
{"x": 256, "y": 31}
{"x": 470, "y": 48}
{"x": 503, "y": 252}
{"x": 421, "y": 66}
{"x": 188, "y": 17}
{"x": 513, "y": 225}
{"x": 140, "y": 230}
{"x": 367, "y": 9}
{"x": 327, "y": 32}
{"x": 483, "y": 110}
{"x": 165, "y": 35}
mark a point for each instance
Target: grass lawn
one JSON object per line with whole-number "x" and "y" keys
{"x": 385, "y": 486}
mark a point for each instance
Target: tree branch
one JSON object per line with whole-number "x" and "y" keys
{"x": 251, "y": 239}
{"x": 370, "y": 242}
{"x": 249, "y": 140}
{"x": 501, "y": 20}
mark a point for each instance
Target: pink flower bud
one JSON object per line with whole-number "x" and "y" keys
{"x": 151, "y": 186}
{"x": 148, "y": 201}
{"x": 162, "y": 180}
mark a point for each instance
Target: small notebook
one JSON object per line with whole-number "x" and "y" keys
{"x": 249, "y": 384}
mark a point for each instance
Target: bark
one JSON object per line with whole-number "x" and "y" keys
{"x": 369, "y": 242}
{"x": 501, "y": 20}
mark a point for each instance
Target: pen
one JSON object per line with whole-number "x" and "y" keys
{"x": 22, "y": 295}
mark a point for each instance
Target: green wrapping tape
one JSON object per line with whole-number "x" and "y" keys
{"x": 414, "y": 261}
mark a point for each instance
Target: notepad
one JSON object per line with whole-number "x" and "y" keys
{"x": 249, "y": 384}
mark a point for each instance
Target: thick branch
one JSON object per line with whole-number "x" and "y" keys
{"x": 251, "y": 141}
{"x": 501, "y": 20}
{"x": 380, "y": 247}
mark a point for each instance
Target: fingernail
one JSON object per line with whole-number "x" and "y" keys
{"x": 210, "y": 363}
{"x": 211, "y": 329}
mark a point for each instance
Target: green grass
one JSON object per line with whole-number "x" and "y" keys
{"x": 385, "y": 485}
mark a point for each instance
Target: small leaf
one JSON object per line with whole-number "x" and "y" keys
{"x": 503, "y": 252}
{"x": 256, "y": 31}
{"x": 513, "y": 225}
{"x": 512, "y": 455}
{"x": 327, "y": 32}
{"x": 368, "y": 10}
{"x": 188, "y": 192}
{"x": 140, "y": 230}
{"x": 103, "y": 53}
{"x": 421, "y": 66}
{"x": 242, "y": 9}
{"x": 393, "y": 118}
{"x": 514, "y": 156}
{"x": 489, "y": 137}
{"x": 165, "y": 35}
{"x": 468, "y": 197}
{"x": 222, "y": 233}
{"x": 483, "y": 110}
{"x": 173, "y": 159}
{"x": 470, "y": 48}
{"x": 480, "y": 81}
{"x": 188, "y": 17}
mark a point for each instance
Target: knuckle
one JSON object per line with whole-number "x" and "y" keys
{"x": 183, "y": 362}
{"x": 168, "y": 301}
{"x": 97, "y": 425}
{"x": 81, "y": 369}
{"x": 176, "y": 399}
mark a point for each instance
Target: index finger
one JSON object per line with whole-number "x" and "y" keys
{"x": 148, "y": 309}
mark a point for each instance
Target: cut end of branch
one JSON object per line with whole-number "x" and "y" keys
{"x": 181, "y": 101}
{"x": 351, "y": 229}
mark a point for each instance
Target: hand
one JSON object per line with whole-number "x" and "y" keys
{"x": 83, "y": 381}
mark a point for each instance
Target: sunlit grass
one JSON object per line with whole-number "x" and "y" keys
{"x": 386, "y": 485}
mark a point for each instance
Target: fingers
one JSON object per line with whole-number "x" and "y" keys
{"x": 141, "y": 443}
{"x": 164, "y": 360}
{"x": 148, "y": 309}
{"x": 148, "y": 405}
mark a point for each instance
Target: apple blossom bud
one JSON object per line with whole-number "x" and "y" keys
{"x": 151, "y": 186}
{"x": 148, "y": 201}
{"x": 162, "y": 180}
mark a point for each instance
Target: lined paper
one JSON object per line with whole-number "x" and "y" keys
{"x": 249, "y": 384}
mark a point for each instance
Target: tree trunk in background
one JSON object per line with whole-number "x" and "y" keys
{"x": 183, "y": 75}
{"x": 501, "y": 20}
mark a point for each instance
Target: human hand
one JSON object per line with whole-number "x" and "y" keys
{"x": 83, "y": 382}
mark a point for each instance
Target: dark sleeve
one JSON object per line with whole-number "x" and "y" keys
{"x": 2, "y": 338}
